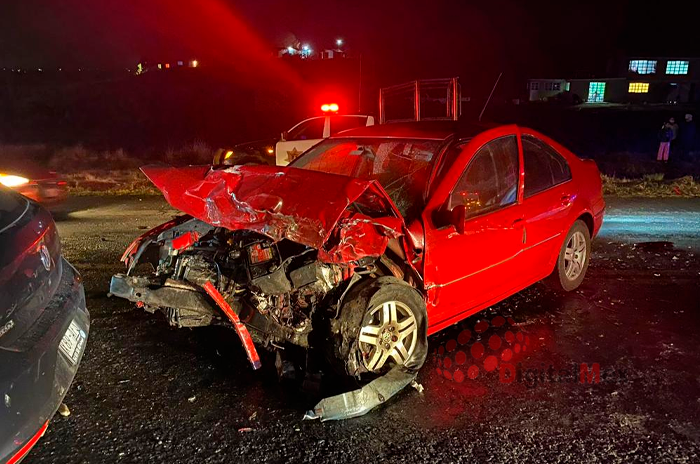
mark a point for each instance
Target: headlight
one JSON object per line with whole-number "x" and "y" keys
{"x": 9, "y": 180}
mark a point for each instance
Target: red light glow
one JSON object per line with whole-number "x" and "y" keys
{"x": 330, "y": 107}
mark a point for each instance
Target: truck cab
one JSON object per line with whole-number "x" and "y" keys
{"x": 292, "y": 142}
{"x": 310, "y": 131}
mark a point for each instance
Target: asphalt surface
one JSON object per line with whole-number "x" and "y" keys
{"x": 147, "y": 392}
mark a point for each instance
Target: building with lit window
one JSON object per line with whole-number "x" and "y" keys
{"x": 633, "y": 80}
{"x": 541, "y": 89}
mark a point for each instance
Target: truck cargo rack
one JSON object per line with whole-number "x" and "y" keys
{"x": 421, "y": 100}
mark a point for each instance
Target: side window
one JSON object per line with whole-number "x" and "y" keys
{"x": 490, "y": 181}
{"x": 447, "y": 161}
{"x": 544, "y": 167}
{"x": 309, "y": 130}
{"x": 341, "y": 123}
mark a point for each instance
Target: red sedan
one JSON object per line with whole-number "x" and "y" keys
{"x": 373, "y": 238}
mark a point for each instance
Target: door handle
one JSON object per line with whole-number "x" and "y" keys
{"x": 519, "y": 224}
{"x": 566, "y": 200}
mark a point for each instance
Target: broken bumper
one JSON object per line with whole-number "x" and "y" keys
{"x": 193, "y": 310}
{"x": 190, "y": 308}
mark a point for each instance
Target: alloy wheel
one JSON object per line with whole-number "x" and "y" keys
{"x": 575, "y": 255}
{"x": 390, "y": 334}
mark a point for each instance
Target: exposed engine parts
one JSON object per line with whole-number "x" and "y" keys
{"x": 276, "y": 287}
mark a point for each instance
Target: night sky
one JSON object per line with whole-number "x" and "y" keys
{"x": 400, "y": 39}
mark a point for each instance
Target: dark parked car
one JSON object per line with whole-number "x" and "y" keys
{"x": 43, "y": 324}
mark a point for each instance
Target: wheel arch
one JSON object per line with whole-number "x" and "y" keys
{"x": 587, "y": 218}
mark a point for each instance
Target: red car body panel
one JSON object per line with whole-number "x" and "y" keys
{"x": 502, "y": 252}
{"x": 307, "y": 207}
{"x": 498, "y": 254}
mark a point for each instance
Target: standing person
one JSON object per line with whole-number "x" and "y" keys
{"x": 665, "y": 137}
{"x": 674, "y": 128}
{"x": 687, "y": 136}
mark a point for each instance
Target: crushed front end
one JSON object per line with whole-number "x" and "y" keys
{"x": 271, "y": 252}
{"x": 274, "y": 288}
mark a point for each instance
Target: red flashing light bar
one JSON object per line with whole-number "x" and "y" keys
{"x": 330, "y": 107}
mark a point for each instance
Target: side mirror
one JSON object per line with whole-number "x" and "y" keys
{"x": 284, "y": 136}
{"x": 458, "y": 217}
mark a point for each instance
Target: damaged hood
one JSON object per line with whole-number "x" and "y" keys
{"x": 308, "y": 207}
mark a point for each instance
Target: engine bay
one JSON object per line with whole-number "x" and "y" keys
{"x": 279, "y": 286}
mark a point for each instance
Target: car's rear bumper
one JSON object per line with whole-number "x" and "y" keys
{"x": 36, "y": 374}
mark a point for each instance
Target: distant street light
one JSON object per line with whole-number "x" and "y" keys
{"x": 339, "y": 42}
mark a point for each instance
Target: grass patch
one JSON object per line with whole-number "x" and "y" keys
{"x": 113, "y": 182}
{"x": 651, "y": 186}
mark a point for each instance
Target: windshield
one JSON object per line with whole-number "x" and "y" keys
{"x": 402, "y": 166}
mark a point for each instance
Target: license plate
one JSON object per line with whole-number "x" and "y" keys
{"x": 72, "y": 342}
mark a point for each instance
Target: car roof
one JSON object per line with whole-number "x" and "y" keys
{"x": 429, "y": 130}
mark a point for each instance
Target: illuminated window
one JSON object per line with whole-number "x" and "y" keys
{"x": 677, "y": 67}
{"x": 643, "y": 66}
{"x": 639, "y": 87}
{"x": 596, "y": 92}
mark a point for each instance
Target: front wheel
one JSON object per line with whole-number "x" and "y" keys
{"x": 573, "y": 258}
{"x": 383, "y": 324}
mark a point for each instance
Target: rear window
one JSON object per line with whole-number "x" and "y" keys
{"x": 12, "y": 207}
{"x": 544, "y": 167}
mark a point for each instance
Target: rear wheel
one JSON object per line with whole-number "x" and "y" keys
{"x": 573, "y": 258}
{"x": 383, "y": 324}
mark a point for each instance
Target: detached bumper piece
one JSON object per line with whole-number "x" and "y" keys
{"x": 359, "y": 402}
